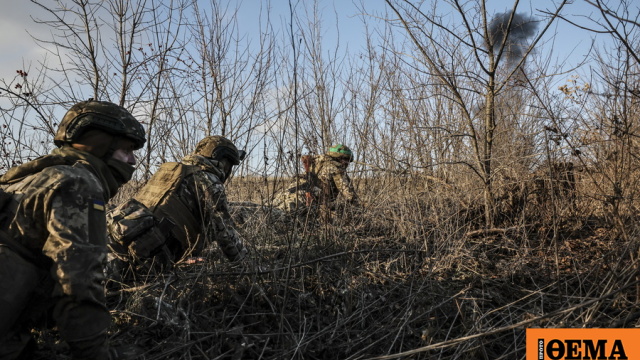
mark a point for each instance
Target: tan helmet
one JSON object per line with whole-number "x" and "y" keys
{"x": 340, "y": 151}
{"x": 100, "y": 115}
{"x": 218, "y": 147}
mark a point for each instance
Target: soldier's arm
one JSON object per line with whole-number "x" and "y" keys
{"x": 77, "y": 247}
{"x": 221, "y": 227}
{"x": 345, "y": 186}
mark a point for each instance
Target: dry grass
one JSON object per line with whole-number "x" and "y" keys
{"x": 412, "y": 275}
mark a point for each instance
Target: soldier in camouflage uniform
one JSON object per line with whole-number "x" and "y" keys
{"x": 181, "y": 209}
{"x": 324, "y": 180}
{"x": 53, "y": 232}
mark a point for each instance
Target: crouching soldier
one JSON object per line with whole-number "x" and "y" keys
{"x": 181, "y": 210}
{"x": 325, "y": 179}
{"x": 53, "y": 233}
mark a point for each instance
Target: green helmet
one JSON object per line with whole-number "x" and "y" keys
{"x": 340, "y": 151}
{"x": 218, "y": 147}
{"x": 100, "y": 115}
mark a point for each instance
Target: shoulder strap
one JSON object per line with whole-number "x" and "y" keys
{"x": 318, "y": 164}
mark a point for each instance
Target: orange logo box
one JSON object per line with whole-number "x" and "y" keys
{"x": 583, "y": 344}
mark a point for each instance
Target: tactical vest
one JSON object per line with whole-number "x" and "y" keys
{"x": 161, "y": 197}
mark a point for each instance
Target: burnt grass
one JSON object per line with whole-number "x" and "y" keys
{"x": 408, "y": 280}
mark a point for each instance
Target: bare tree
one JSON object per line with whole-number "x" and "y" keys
{"x": 621, "y": 20}
{"x": 26, "y": 125}
{"x": 120, "y": 50}
{"x": 474, "y": 63}
{"x": 79, "y": 44}
{"x": 233, "y": 72}
{"x": 182, "y": 82}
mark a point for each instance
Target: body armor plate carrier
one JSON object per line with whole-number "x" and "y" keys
{"x": 161, "y": 197}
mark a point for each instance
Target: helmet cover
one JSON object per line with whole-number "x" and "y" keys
{"x": 340, "y": 151}
{"x": 219, "y": 147}
{"x": 100, "y": 115}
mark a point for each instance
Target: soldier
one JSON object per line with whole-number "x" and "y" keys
{"x": 53, "y": 232}
{"x": 324, "y": 180}
{"x": 181, "y": 209}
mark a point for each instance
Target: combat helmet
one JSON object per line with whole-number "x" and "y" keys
{"x": 100, "y": 115}
{"x": 340, "y": 151}
{"x": 218, "y": 147}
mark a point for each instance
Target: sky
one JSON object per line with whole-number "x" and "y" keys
{"x": 19, "y": 50}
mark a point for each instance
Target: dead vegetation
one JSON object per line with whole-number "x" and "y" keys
{"x": 473, "y": 226}
{"x": 412, "y": 275}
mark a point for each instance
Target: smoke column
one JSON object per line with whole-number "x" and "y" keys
{"x": 523, "y": 27}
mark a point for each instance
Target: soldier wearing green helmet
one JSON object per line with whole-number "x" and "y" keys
{"x": 325, "y": 179}
{"x": 340, "y": 152}
{"x": 53, "y": 233}
{"x": 189, "y": 198}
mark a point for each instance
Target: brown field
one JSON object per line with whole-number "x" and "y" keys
{"x": 412, "y": 275}
{"x": 495, "y": 150}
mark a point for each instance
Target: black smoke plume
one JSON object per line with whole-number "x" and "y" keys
{"x": 523, "y": 27}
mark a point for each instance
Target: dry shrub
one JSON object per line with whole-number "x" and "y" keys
{"x": 408, "y": 275}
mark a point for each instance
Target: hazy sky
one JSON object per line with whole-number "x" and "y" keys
{"x": 19, "y": 51}
{"x": 16, "y": 43}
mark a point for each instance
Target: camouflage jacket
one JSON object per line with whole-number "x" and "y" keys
{"x": 202, "y": 202}
{"x": 56, "y": 216}
{"x": 333, "y": 179}
{"x": 322, "y": 184}
{"x": 300, "y": 193}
